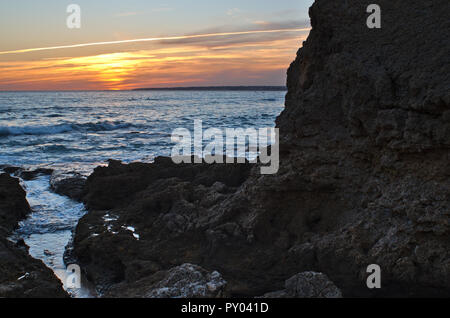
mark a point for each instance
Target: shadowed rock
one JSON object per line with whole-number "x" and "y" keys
{"x": 13, "y": 204}
{"x": 20, "y": 274}
{"x": 68, "y": 184}
{"x": 307, "y": 285}
{"x": 364, "y": 174}
{"x": 9, "y": 169}
{"x": 33, "y": 174}
{"x": 185, "y": 281}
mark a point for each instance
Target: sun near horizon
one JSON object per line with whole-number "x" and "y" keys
{"x": 123, "y": 46}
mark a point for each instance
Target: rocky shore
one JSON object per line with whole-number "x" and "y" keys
{"x": 20, "y": 274}
{"x": 364, "y": 176}
{"x": 364, "y": 179}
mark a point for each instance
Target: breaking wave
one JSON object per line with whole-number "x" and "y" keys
{"x": 61, "y": 128}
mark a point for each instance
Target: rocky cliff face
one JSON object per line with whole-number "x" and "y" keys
{"x": 366, "y": 142}
{"x": 364, "y": 176}
{"x": 20, "y": 274}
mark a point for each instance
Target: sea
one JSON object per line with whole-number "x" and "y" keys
{"x": 74, "y": 132}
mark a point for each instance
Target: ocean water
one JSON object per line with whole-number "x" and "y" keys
{"x": 48, "y": 229}
{"x": 84, "y": 129}
{"x": 77, "y": 131}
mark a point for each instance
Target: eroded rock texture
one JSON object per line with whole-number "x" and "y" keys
{"x": 20, "y": 274}
{"x": 307, "y": 285}
{"x": 185, "y": 281}
{"x": 364, "y": 176}
{"x": 70, "y": 184}
{"x": 366, "y": 142}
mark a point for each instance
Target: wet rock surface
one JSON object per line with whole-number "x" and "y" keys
{"x": 364, "y": 175}
{"x": 24, "y": 173}
{"x": 20, "y": 274}
{"x": 142, "y": 215}
{"x": 70, "y": 184}
{"x": 9, "y": 169}
{"x": 33, "y": 174}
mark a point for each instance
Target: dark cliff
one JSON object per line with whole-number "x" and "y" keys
{"x": 364, "y": 175}
{"x": 366, "y": 132}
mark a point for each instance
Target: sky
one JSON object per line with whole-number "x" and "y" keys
{"x": 187, "y": 43}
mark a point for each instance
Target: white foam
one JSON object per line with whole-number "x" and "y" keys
{"x": 132, "y": 230}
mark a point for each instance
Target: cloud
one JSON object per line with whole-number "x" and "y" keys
{"x": 234, "y": 12}
{"x": 289, "y": 24}
{"x": 253, "y": 63}
{"x": 263, "y": 23}
{"x": 262, "y": 33}
{"x": 156, "y": 39}
{"x": 254, "y": 54}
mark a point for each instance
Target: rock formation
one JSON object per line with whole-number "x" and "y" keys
{"x": 70, "y": 184}
{"x": 146, "y": 218}
{"x": 307, "y": 285}
{"x": 20, "y": 274}
{"x": 185, "y": 281}
{"x": 13, "y": 204}
{"x": 364, "y": 176}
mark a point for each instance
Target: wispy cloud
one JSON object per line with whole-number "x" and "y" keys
{"x": 234, "y": 12}
{"x": 250, "y": 57}
{"x": 251, "y": 63}
{"x": 169, "y": 38}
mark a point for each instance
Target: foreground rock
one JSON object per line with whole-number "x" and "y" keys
{"x": 9, "y": 169}
{"x": 24, "y": 173}
{"x": 20, "y": 274}
{"x": 13, "y": 204}
{"x": 308, "y": 285}
{"x": 33, "y": 174}
{"x": 70, "y": 184}
{"x": 185, "y": 281}
{"x": 144, "y": 218}
{"x": 364, "y": 175}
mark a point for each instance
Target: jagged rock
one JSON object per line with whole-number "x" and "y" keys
{"x": 364, "y": 174}
{"x": 365, "y": 147}
{"x": 185, "y": 281}
{"x": 13, "y": 204}
{"x": 115, "y": 185}
{"x": 69, "y": 184}
{"x": 9, "y": 169}
{"x": 308, "y": 285}
{"x": 33, "y": 174}
{"x": 20, "y": 274}
{"x": 176, "y": 200}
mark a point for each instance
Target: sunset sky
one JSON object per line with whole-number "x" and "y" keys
{"x": 242, "y": 56}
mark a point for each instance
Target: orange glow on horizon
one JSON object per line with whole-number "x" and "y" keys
{"x": 180, "y": 65}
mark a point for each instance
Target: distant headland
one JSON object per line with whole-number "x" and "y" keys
{"x": 216, "y": 88}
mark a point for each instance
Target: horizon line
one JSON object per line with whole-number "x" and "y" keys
{"x": 168, "y": 38}
{"x": 223, "y": 87}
